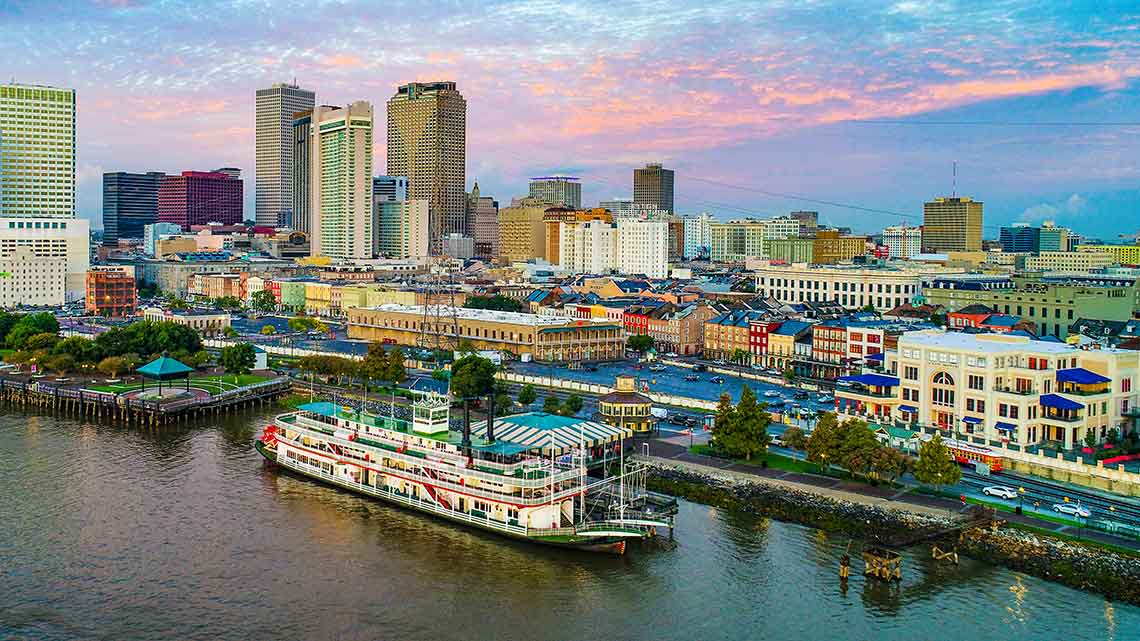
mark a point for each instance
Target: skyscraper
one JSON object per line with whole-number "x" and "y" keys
{"x": 653, "y": 185}
{"x": 302, "y": 178}
{"x": 342, "y": 203}
{"x": 130, "y": 201}
{"x": 200, "y": 197}
{"x": 402, "y": 228}
{"x": 390, "y": 188}
{"x": 557, "y": 190}
{"x": 275, "y": 110}
{"x": 1020, "y": 238}
{"x": 37, "y": 151}
{"x": 952, "y": 224}
{"x": 484, "y": 223}
{"x": 427, "y": 143}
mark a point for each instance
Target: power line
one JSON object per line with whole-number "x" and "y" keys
{"x": 998, "y": 123}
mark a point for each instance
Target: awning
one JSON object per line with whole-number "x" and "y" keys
{"x": 971, "y": 420}
{"x": 876, "y": 357}
{"x": 538, "y": 430}
{"x": 1008, "y": 427}
{"x": 1059, "y": 402}
{"x": 872, "y": 379}
{"x": 908, "y": 408}
{"x": 1080, "y": 376}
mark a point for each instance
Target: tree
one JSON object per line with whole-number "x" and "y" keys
{"x": 572, "y": 406}
{"x": 440, "y": 375}
{"x": 1113, "y": 435}
{"x": 795, "y": 438}
{"x": 148, "y": 337}
{"x": 44, "y": 341}
{"x": 228, "y": 302}
{"x": 496, "y": 302}
{"x": 374, "y": 365}
{"x": 238, "y": 359}
{"x": 85, "y": 350}
{"x": 230, "y": 332}
{"x": 112, "y": 365}
{"x": 30, "y": 325}
{"x": 823, "y": 444}
{"x": 1090, "y": 439}
{"x": 268, "y": 330}
{"x": 935, "y": 466}
{"x": 471, "y": 377}
{"x": 263, "y": 301}
{"x": 60, "y": 363}
{"x": 527, "y": 395}
{"x": 868, "y": 308}
{"x": 551, "y": 405}
{"x": 739, "y": 356}
{"x": 789, "y": 375}
{"x": 396, "y": 372}
{"x": 744, "y": 431}
{"x": 639, "y": 343}
{"x": 888, "y": 463}
{"x": 857, "y": 446}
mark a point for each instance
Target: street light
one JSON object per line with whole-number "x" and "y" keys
{"x": 1020, "y": 499}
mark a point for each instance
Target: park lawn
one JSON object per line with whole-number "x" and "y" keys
{"x": 775, "y": 461}
{"x": 214, "y": 384}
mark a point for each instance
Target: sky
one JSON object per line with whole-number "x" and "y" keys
{"x": 855, "y": 109}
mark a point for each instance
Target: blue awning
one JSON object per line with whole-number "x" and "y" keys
{"x": 1059, "y": 402}
{"x": 1080, "y": 376}
{"x": 908, "y": 408}
{"x": 971, "y": 420}
{"x": 872, "y": 379}
{"x": 1008, "y": 427}
{"x": 876, "y": 357}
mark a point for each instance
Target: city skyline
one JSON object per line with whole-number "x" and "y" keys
{"x": 766, "y": 113}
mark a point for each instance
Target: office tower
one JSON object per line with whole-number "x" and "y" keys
{"x": 427, "y": 143}
{"x": 302, "y": 178}
{"x": 485, "y": 223}
{"x": 390, "y": 188}
{"x": 643, "y": 247}
{"x": 1020, "y": 238}
{"x": 698, "y": 235}
{"x": 557, "y": 190}
{"x": 952, "y": 224}
{"x": 200, "y": 197}
{"x": 619, "y": 207}
{"x": 37, "y": 151}
{"x": 342, "y": 202}
{"x": 402, "y": 228}
{"x": 903, "y": 241}
{"x": 522, "y": 232}
{"x": 274, "y": 138}
{"x": 458, "y": 246}
{"x": 653, "y": 185}
{"x": 809, "y": 222}
{"x": 130, "y": 202}
{"x": 1052, "y": 238}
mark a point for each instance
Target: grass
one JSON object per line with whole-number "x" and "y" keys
{"x": 775, "y": 461}
{"x": 215, "y": 384}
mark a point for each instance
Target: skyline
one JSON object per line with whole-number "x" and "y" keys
{"x": 759, "y": 96}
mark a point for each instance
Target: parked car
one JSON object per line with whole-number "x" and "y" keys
{"x": 1000, "y": 491}
{"x": 1071, "y": 509}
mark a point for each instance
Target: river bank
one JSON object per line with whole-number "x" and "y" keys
{"x": 1086, "y": 567}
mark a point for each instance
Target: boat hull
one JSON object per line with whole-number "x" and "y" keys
{"x": 605, "y": 545}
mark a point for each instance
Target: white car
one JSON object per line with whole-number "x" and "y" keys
{"x": 1071, "y": 510}
{"x": 1000, "y": 491}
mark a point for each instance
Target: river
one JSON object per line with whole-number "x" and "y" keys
{"x": 185, "y": 533}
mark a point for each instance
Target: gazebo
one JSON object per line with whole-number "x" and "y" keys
{"x": 165, "y": 368}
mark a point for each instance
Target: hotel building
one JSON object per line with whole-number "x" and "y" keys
{"x": 37, "y": 151}
{"x": 342, "y": 202}
{"x": 902, "y": 241}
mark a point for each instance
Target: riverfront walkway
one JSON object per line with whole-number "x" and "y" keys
{"x": 664, "y": 452}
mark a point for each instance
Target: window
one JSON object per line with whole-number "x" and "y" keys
{"x": 942, "y": 378}
{"x": 976, "y": 382}
{"x": 910, "y": 373}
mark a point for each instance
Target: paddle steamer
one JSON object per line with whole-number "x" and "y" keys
{"x": 533, "y": 482}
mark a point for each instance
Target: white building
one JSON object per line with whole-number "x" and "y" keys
{"x": 1068, "y": 262}
{"x": 458, "y": 246}
{"x": 52, "y": 238}
{"x": 903, "y": 241}
{"x": 643, "y": 247}
{"x": 588, "y": 248}
{"x": 402, "y": 229}
{"x": 698, "y": 235}
{"x": 28, "y": 279}
{"x": 273, "y": 136}
{"x": 884, "y": 288}
{"x": 341, "y": 173}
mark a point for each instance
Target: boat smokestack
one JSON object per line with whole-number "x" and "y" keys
{"x": 491, "y": 417}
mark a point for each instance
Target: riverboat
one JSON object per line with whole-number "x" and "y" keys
{"x": 530, "y": 483}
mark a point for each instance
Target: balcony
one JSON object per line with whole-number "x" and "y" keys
{"x": 1077, "y": 389}
{"x": 1018, "y": 392}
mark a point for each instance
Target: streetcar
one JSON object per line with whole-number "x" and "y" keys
{"x": 970, "y": 454}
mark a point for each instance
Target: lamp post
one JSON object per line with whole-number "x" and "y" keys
{"x": 1020, "y": 499}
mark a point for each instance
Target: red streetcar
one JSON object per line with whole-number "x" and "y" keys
{"x": 968, "y": 454}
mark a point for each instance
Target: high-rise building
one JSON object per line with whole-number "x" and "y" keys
{"x": 809, "y": 222}
{"x": 390, "y": 188}
{"x": 458, "y": 246}
{"x": 559, "y": 220}
{"x": 588, "y": 247}
{"x": 274, "y": 143}
{"x": 557, "y": 190}
{"x": 830, "y": 247}
{"x": 51, "y": 239}
{"x": 485, "y": 223}
{"x": 698, "y": 235}
{"x": 599, "y": 246}
{"x": 1020, "y": 238}
{"x": 643, "y": 247}
{"x": 37, "y": 151}
{"x": 402, "y": 228}
{"x": 952, "y": 224}
{"x": 1052, "y": 238}
{"x": 130, "y": 202}
{"x": 342, "y": 202}
{"x": 619, "y": 207}
{"x": 522, "y": 232}
{"x": 427, "y": 143}
{"x": 903, "y": 241}
{"x": 302, "y": 215}
{"x": 653, "y": 185}
{"x": 200, "y": 197}
{"x": 154, "y": 232}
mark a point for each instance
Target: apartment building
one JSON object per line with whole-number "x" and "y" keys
{"x": 111, "y": 292}
{"x": 1072, "y": 262}
{"x": 881, "y": 287}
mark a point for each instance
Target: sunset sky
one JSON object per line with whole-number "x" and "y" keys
{"x": 750, "y": 102}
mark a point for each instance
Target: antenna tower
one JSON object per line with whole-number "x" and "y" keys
{"x": 954, "y": 181}
{"x": 439, "y": 327}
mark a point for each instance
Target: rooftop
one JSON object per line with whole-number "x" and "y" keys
{"x": 990, "y": 343}
{"x": 491, "y": 316}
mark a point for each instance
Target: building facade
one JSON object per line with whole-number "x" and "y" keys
{"x": 302, "y": 173}
{"x": 207, "y": 323}
{"x": 1121, "y": 254}
{"x": 952, "y": 224}
{"x": 111, "y": 292}
{"x": 402, "y": 228}
{"x": 522, "y": 230}
{"x": 342, "y": 201}
{"x": 390, "y": 188}
{"x": 29, "y": 278}
{"x": 624, "y": 407}
{"x": 1073, "y": 262}
{"x": 1020, "y": 237}
{"x": 557, "y": 190}
{"x": 698, "y": 235}
{"x": 619, "y": 207}
{"x": 274, "y": 109}
{"x": 52, "y": 238}
{"x": 200, "y": 197}
{"x": 427, "y": 144}
{"x": 902, "y": 241}
{"x": 37, "y": 151}
{"x": 830, "y": 247}
{"x": 738, "y": 240}
{"x": 643, "y": 247}
{"x": 484, "y": 224}
{"x": 130, "y": 202}
{"x": 792, "y": 250}
{"x": 653, "y": 185}
{"x": 853, "y": 287}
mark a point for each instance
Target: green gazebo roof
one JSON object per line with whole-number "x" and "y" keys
{"x": 164, "y": 367}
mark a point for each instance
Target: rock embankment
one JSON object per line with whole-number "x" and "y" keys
{"x": 1090, "y": 568}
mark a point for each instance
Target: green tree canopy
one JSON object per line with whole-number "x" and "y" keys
{"x": 228, "y": 302}
{"x": 149, "y": 337}
{"x": 472, "y": 377}
{"x": 30, "y": 325}
{"x": 396, "y": 372}
{"x": 112, "y": 365}
{"x": 527, "y": 395}
{"x": 551, "y": 405}
{"x": 238, "y": 359}
{"x": 639, "y": 343}
{"x": 857, "y": 446}
{"x": 823, "y": 444}
{"x": 374, "y": 365}
{"x": 263, "y": 301}
{"x": 495, "y": 302}
{"x": 572, "y": 406}
{"x": 795, "y": 438}
{"x": 268, "y": 329}
{"x": 935, "y": 465}
{"x": 743, "y": 431}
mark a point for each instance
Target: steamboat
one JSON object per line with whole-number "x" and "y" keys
{"x": 543, "y": 478}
